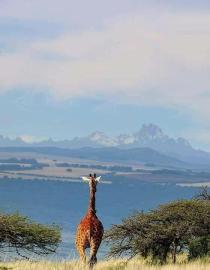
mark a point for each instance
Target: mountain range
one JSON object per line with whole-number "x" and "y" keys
{"x": 149, "y": 136}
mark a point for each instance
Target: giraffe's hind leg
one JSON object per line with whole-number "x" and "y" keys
{"x": 80, "y": 246}
{"x": 94, "y": 245}
{"x": 81, "y": 251}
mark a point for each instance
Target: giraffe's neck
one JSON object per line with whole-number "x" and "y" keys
{"x": 92, "y": 202}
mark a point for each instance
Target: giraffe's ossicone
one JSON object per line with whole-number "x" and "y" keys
{"x": 90, "y": 229}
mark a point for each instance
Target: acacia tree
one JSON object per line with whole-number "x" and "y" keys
{"x": 18, "y": 233}
{"x": 200, "y": 246}
{"x": 166, "y": 230}
{"x": 204, "y": 194}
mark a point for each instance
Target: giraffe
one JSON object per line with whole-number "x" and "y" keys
{"x": 90, "y": 229}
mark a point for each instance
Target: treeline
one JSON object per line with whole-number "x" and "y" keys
{"x": 14, "y": 164}
{"x": 20, "y": 160}
{"x": 114, "y": 168}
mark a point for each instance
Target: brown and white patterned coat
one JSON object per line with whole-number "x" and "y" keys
{"x": 90, "y": 229}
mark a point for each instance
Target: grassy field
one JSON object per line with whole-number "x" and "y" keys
{"x": 136, "y": 264}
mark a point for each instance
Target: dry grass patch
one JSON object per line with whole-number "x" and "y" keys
{"x": 136, "y": 264}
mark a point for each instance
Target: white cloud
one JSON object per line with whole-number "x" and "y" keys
{"x": 156, "y": 59}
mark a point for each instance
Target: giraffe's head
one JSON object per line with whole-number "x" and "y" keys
{"x": 92, "y": 180}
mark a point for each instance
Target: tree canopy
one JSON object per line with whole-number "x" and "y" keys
{"x": 169, "y": 229}
{"x": 20, "y": 234}
{"x": 203, "y": 194}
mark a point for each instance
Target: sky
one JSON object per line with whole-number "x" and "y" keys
{"x": 68, "y": 68}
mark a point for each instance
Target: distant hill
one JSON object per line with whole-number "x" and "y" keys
{"x": 149, "y": 136}
{"x": 112, "y": 154}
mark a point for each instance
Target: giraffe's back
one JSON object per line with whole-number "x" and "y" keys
{"x": 96, "y": 228}
{"x": 89, "y": 230}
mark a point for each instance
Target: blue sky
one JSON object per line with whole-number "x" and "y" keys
{"x": 68, "y": 68}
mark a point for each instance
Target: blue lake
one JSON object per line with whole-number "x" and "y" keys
{"x": 65, "y": 203}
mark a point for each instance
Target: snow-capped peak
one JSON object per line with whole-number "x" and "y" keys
{"x": 125, "y": 139}
{"x": 102, "y": 139}
{"x": 97, "y": 135}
